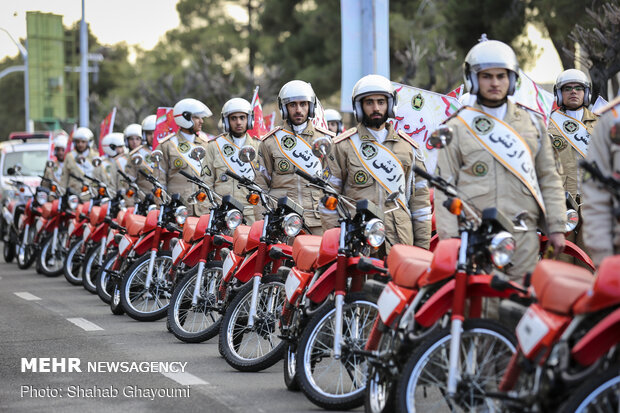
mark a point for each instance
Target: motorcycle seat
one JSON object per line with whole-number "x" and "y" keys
{"x": 605, "y": 291}
{"x": 306, "y": 251}
{"x": 189, "y": 228}
{"x": 558, "y": 285}
{"x": 407, "y": 263}
{"x": 135, "y": 223}
{"x": 240, "y": 239}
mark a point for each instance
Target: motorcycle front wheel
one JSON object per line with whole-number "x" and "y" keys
{"x": 200, "y": 322}
{"x": 90, "y": 268}
{"x": 104, "y": 286}
{"x": 601, "y": 394}
{"x": 72, "y": 267}
{"x": 50, "y": 264}
{"x": 259, "y": 347}
{"x": 485, "y": 350}
{"x": 150, "y": 304}
{"x": 28, "y": 254}
{"x": 330, "y": 383}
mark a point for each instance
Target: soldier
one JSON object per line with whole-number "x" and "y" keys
{"x": 393, "y": 154}
{"x": 287, "y": 147}
{"x": 223, "y": 153}
{"x": 500, "y": 156}
{"x": 334, "y": 121}
{"x": 144, "y": 151}
{"x": 176, "y": 148}
{"x": 78, "y": 162}
{"x": 601, "y": 228}
{"x": 60, "y": 145}
{"x": 113, "y": 145}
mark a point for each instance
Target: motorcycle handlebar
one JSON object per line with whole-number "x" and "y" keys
{"x": 312, "y": 179}
{"x": 188, "y": 176}
{"x": 234, "y": 175}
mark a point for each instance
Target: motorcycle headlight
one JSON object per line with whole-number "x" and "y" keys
{"x": 292, "y": 224}
{"x": 73, "y": 201}
{"x": 572, "y": 220}
{"x": 233, "y": 218}
{"x": 502, "y": 248}
{"x": 375, "y": 232}
{"x": 41, "y": 197}
{"x": 180, "y": 214}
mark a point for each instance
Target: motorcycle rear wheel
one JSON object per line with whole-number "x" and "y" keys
{"x": 600, "y": 394}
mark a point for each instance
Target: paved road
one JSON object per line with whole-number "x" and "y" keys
{"x": 47, "y": 317}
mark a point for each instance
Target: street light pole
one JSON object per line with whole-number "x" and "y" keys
{"x": 24, "y": 53}
{"x": 84, "y": 109}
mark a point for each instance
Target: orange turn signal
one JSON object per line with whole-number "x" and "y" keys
{"x": 157, "y": 192}
{"x": 456, "y": 206}
{"x": 130, "y": 193}
{"x": 330, "y": 202}
{"x": 253, "y": 199}
{"x": 84, "y": 188}
{"x": 102, "y": 191}
{"x": 54, "y": 188}
{"x": 201, "y": 196}
{"x": 22, "y": 189}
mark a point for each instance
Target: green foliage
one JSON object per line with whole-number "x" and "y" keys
{"x": 12, "y": 117}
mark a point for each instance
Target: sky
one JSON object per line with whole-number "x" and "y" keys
{"x": 143, "y": 22}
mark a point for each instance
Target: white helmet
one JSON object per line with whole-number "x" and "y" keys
{"x": 572, "y": 76}
{"x": 332, "y": 115}
{"x": 373, "y": 85}
{"x": 111, "y": 141}
{"x": 149, "y": 123}
{"x": 185, "y": 109}
{"x": 60, "y": 141}
{"x": 83, "y": 134}
{"x": 490, "y": 54}
{"x": 237, "y": 105}
{"x": 296, "y": 91}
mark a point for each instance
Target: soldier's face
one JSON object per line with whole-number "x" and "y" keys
{"x": 333, "y": 126}
{"x": 572, "y": 95}
{"x": 238, "y": 124}
{"x": 298, "y": 112}
{"x": 149, "y": 137}
{"x": 60, "y": 154}
{"x": 493, "y": 85}
{"x": 198, "y": 121}
{"x": 133, "y": 142}
{"x": 375, "y": 110}
{"x": 80, "y": 145}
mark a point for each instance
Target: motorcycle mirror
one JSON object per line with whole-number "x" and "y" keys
{"x": 198, "y": 153}
{"x": 247, "y": 154}
{"x": 96, "y": 162}
{"x": 157, "y": 155}
{"x": 441, "y": 137}
{"x": 80, "y": 159}
{"x": 136, "y": 160}
{"x": 321, "y": 147}
{"x": 49, "y": 164}
{"x": 10, "y": 171}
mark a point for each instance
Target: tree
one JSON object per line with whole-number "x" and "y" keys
{"x": 12, "y": 115}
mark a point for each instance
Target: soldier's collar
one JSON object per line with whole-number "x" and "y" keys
{"x": 308, "y": 131}
{"x": 366, "y": 135}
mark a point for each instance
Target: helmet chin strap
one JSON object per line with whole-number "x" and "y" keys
{"x": 500, "y": 102}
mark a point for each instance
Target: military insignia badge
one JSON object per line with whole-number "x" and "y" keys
{"x": 147, "y": 158}
{"x": 369, "y": 150}
{"x": 417, "y": 102}
{"x": 480, "y": 168}
{"x": 559, "y": 143}
{"x": 183, "y": 147}
{"x": 283, "y": 165}
{"x": 206, "y": 171}
{"x": 570, "y": 126}
{"x": 178, "y": 163}
{"x": 228, "y": 150}
{"x": 224, "y": 178}
{"x": 360, "y": 177}
{"x": 483, "y": 125}
{"x": 326, "y": 174}
{"x": 289, "y": 142}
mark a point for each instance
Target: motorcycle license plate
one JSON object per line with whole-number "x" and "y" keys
{"x": 227, "y": 265}
{"x": 176, "y": 252}
{"x": 291, "y": 284}
{"x": 388, "y": 301}
{"x": 122, "y": 246}
{"x": 530, "y": 331}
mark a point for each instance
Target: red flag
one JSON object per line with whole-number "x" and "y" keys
{"x": 71, "y": 138}
{"x": 164, "y": 125}
{"x": 260, "y": 128}
{"x": 319, "y": 115}
{"x": 106, "y": 127}
{"x": 458, "y": 92}
{"x": 270, "y": 120}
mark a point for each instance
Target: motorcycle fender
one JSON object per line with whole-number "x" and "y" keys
{"x": 51, "y": 223}
{"x": 166, "y": 237}
{"x": 144, "y": 243}
{"x": 598, "y": 340}
{"x": 192, "y": 256}
{"x": 441, "y": 301}
{"x": 100, "y": 231}
{"x": 246, "y": 270}
{"x": 574, "y": 251}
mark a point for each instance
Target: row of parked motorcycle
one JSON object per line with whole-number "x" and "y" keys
{"x": 415, "y": 330}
